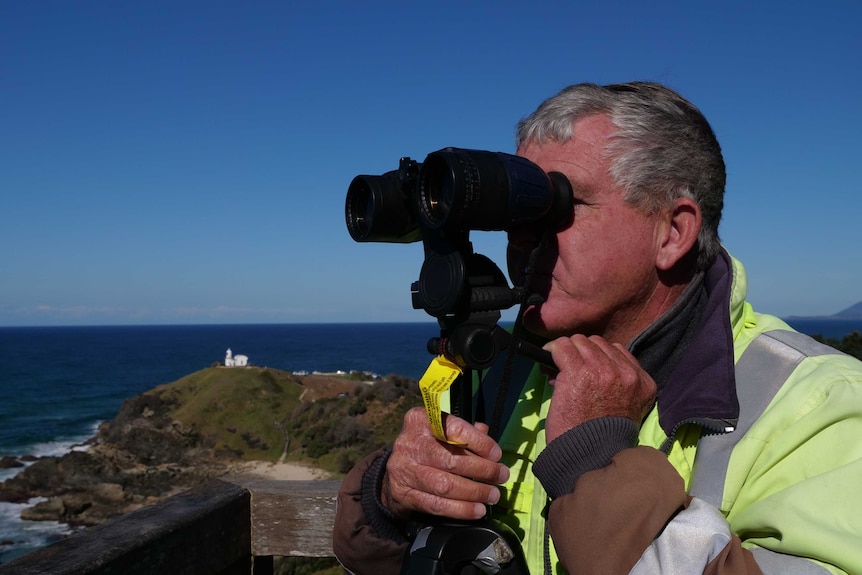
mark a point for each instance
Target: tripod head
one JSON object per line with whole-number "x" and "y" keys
{"x": 466, "y": 548}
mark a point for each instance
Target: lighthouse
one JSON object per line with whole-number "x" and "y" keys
{"x": 231, "y": 360}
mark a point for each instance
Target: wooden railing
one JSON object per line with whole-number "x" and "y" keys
{"x": 224, "y": 527}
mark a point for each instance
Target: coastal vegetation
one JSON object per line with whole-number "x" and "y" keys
{"x": 327, "y": 421}
{"x": 850, "y": 344}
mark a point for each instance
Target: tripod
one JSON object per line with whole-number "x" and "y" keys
{"x": 472, "y": 340}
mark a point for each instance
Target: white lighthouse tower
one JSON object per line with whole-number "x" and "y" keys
{"x": 231, "y": 360}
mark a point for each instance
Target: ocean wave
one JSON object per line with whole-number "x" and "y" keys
{"x": 60, "y": 445}
{"x": 54, "y": 448}
{"x": 18, "y": 537}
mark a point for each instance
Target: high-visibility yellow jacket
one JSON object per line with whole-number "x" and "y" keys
{"x": 751, "y": 461}
{"x": 783, "y": 474}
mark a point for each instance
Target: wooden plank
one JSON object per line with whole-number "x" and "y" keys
{"x": 203, "y": 531}
{"x": 291, "y": 518}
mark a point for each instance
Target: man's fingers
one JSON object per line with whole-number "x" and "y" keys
{"x": 596, "y": 379}
{"x": 445, "y": 494}
{"x": 475, "y": 437}
{"x": 430, "y": 476}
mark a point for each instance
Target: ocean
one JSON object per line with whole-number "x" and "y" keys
{"x": 57, "y": 384}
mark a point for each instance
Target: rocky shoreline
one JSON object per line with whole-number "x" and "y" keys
{"x": 137, "y": 459}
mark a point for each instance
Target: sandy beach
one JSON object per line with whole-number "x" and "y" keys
{"x": 282, "y": 471}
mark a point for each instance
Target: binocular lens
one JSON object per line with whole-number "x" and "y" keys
{"x": 360, "y": 210}
{"x": 436, "y": 191}
{"x": 377, "y": 210}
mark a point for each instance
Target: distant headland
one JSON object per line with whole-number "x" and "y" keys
{"x": 852, "y": 312}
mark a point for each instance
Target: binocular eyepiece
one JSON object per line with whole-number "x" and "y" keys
{"x": 458, "y": 190}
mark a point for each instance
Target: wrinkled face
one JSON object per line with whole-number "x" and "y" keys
{"x": 598, "y": 276}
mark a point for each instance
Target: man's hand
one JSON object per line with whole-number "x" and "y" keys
{"x": 429, "y": 476}
{"x": 595, "y": 379}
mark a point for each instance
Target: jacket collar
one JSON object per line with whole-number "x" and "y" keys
{"x": 689, "y": 353}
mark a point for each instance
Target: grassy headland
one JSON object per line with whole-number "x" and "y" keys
{"x": 265, "y": 414}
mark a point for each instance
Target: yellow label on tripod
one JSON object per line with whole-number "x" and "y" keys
{"x": 439, "y": 376}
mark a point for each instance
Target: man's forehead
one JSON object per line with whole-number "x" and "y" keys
{"x": 583, "y": 159}
{"x": 586, "y": 150}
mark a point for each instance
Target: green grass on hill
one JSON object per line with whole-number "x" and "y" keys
{"x": 256, "y": 413}
{"x": 237, "y": 411}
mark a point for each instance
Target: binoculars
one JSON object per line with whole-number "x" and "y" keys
{"x": 456, "y": 190}
{"x": 439, "y": 202}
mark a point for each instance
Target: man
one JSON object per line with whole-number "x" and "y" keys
{"x": 683, "y": 432}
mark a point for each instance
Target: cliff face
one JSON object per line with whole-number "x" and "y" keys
{"x": 178, "y": 435}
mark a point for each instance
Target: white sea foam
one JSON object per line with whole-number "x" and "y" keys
{"x": 8, "y": 474}
{"x": 18, "y": 536}
{"x": 59, "y": 447}
{"x": 64, "y": 444}
{"x": 54, "y": 448}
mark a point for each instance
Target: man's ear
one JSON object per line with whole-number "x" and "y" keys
{"x": 678, "y": 233}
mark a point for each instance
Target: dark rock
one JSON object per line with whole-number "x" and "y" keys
{"x": 147, "y": 409}
{"x": 14, "y": 493}
{"x": 154, "y": 446}
{"x": 81, "y": 469}
{"x": 40, "y": 479}
{"x": 142, "y": 428}
{"x": 7, "y": 462}
{"x": 51, "y": 510}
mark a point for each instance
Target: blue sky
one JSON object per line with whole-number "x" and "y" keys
{"x": 186, "y": 162}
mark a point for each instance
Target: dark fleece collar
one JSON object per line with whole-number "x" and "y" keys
{"x": 689, "y": 353}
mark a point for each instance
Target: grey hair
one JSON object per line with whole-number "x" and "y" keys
{"x": 663, "y": 149}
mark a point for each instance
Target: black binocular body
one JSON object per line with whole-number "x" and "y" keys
{"x": 456, "y": 190}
